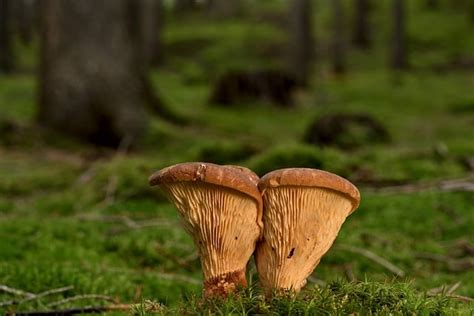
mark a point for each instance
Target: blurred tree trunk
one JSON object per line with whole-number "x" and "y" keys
{"x": 463, "y": 6}
{"x": 471, "y": 11}
{"x": 180, "y": 6}
{"x": 224, "y": 8}
{"x": 91, "y": 82}
{"x": 6, "y": 49}
{"x": 361, "y": 37}
{"x": 399, "y": 58}
{"x": 338, "y": 42}
{"x": 432, "y": 4}
{"x": 301, "y": 41}
{"x": 25, "y": 12}
{"x": 149, "y": 24}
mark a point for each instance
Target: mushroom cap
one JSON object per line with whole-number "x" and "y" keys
{"x": 249, "y": 173}
{"x": 233, "y": 177}
{"x": 307, "y": 177}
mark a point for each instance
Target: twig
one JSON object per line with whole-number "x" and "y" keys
{"x": 453, "y": 264}
{"x": 442, "y": 288}
{"x": 87, "y": 175}
{"x": 432, "y": 257}
{"x": 453, "y": 288}
{"x": 37, "y": 296}
{"x": 110, "y": 190}
{"x": 436, "y": 290}
{"x": 82, "y": 297}
{"x": 461, "y": 298}
{"x": 76, "y": 310}
{"x": 375, "y": 258}
{"x": 349, "y": 271}
{"x": 130, "y": 223}
{"x": 461, "y": 184}
{"x": 454, "y": 296}
{"x": 162, "y": 275}
{"x": 11, "y": 290}
{"x": 461, "y": 265}
{"x": 450, "y": 293}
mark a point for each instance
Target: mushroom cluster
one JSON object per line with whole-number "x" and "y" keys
{"x": 289, "y": 219}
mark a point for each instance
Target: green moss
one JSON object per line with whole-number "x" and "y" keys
{"x": 334, "y": 299}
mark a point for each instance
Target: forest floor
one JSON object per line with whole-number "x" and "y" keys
{"x": 84, "y": 220}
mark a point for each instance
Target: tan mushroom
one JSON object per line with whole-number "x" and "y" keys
{"x": 221, "y": 208}
{"x": 303, "y": 213}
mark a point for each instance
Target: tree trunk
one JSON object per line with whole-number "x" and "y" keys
{"x": 432, "y": 4}
{"x": 301, "y": 41}
{"x": 471, "y": 11}
{"x": 149, "y": 29}
{"x": 361, "y": 37}
{"x": 338, "y": 42}
{"x": 25, "y": 17}
{"x": 91, "y": 82}
{"x": 399, "y": 59}
{"x": 6, "y": 49}
{"x": 224, "y": 8}
{"x": 183, "y": 6}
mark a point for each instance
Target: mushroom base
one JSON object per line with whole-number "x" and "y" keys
{"x": 224, "y": 284}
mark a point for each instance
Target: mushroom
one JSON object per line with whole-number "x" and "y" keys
{"x": 221, "y": 208}
{"x": 303, "y": 213}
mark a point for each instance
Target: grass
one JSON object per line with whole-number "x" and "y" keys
{"x": 63, "y": 203}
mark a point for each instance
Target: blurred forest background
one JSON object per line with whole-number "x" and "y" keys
{"x": 96, "y": 95}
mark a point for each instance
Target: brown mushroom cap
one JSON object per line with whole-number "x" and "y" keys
{"x": 307, "y": 177}
{"x": 249, "y": 173}
{"x": 232, "y": 177}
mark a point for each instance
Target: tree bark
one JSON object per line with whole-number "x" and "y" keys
{"x": 6, "y": 49}
{"x": 183, "y": 6}
{"x": 432, "y": 4}
{"x": 301, "y": 41}
{"x": 149, "y": 24}
{"x": 338, "y": 41}
{"x": 362, "y": 35}
{"x": 92, "y": 84}
{"x": 399, "y": 58}
{"x": 25, "y": 16}
{"x": 224, "y": 8}
{"x": 471, "y": 11}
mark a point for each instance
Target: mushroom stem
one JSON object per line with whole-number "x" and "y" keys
{"x": 224, "y": 284}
